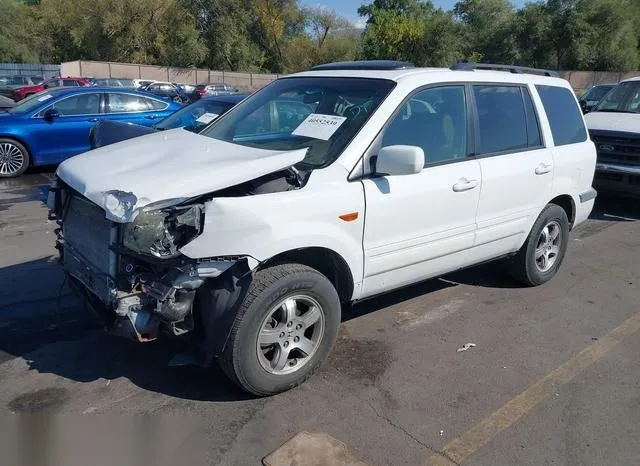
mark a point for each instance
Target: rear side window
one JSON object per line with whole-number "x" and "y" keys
{"x": 502, "y": 120}
{"x": 565, "y": 117}
{"x": 127, "y": 103}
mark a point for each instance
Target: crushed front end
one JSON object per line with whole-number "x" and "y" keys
{"x": 132, "y": 274}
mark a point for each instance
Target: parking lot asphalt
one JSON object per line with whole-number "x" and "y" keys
{"x": 553, "y": 378}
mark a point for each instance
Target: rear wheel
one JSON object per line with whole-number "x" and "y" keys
{"x": 284, "y": 330}
{"x": 541, "y": 255}
{"x": 177, "y": 99}
{"x": 14, "y": 158}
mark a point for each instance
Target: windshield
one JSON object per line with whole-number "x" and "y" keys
{"x": 32, "y": 102}
{"x": 196, "y": 116}
{"x": 624, "y": 98}
{"x": 597, "y": 93}
{"x": 319, "y": 113}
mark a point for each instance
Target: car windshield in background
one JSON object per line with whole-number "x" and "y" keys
{"x": 32, "y": 102}
{"x": 597, "y": 93}
{"x": 196, "y": 116}
{"x": 624, "y": 98}
{"x": 321, "y": 114}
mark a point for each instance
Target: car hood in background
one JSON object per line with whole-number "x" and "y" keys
{"x": 174, "y": 164}
{"x": 107, "y": 132}
{"x": 610, "y": 121}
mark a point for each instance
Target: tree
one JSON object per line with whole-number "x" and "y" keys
{"x": 16, "y": 44}
{"x": 410, "y": 30}
{"x": 488, "y": 30}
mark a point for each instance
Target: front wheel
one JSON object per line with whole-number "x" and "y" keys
{"x": 284, "y": 330}
{"x": 14, "y": 158}
{"x": 177, "y": 99}
{"x": 541, "y": 255}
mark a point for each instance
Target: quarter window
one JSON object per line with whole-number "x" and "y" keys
{"x": 502, "y": 122}
{"x": 81, "y": 104}
{"x": 565, "y": 117}
{"x": 434, "y": 120}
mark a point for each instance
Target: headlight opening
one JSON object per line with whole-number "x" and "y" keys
{"x": 161, "y": 233}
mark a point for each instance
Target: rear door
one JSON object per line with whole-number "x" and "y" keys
{"x": 422, "y": 225}
{"x": 517, "y": 168}
{"x": 67, "y": 134}
{"x": 131, "y": 108}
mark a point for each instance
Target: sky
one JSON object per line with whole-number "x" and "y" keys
{"x": 349, "y": 8}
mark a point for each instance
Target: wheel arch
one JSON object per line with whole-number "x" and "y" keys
{"x": 326, "y": 261}
{"x": 568, "y": 204}
{"x": 21, "y": 141}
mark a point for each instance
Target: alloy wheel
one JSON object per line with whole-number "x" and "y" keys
{"x": 548, "y": 246}
{"x": 290, "y": 334}
{"x": 11, "y": 158}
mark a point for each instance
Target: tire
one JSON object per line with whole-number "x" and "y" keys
{"x": 257, "y": 365}
{"x": 542, "y": 253}
{"x": 14, "y": 158}
{"x": 177, "y": 100}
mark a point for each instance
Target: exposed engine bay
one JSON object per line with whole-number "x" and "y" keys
{"x": 134, "y": 276}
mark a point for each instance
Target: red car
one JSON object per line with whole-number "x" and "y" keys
{"x": 25, "y": 91}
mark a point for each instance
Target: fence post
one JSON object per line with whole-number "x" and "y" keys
{"x": 109, "y": 65}
{"x": 223, "y": 79}
{"x": 79, "y": 67}
{"x": 139, "y": 72}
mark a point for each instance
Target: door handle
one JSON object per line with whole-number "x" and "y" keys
{"x": 543, "y": 168}
{"x": 92, "y": 120}
{"x": 464, "y": 185}
{"x": 151, "y": 117}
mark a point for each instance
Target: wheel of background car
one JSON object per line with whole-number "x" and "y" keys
{"x": 177, "y": 99}
{"x": 541, "y": 255}
{"x": 14, "y": 158}
{"x": 284, "y": 330}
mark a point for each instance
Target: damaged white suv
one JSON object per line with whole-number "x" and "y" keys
{"x": 325, "y": 187}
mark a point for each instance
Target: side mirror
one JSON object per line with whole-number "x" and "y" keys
{"x": 50, "y": 114}
{"x": 400, "y": 160}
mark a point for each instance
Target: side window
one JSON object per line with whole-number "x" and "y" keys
{"x": 53, "y": 83}
{"x": 434, "y": 120}
{"x": 533, "y": 128}
{"x": 127, "y": 103}
{"x": 69, "y": 83}
{"x": 81, "y": 104}
{"x": 565, "y": 117}
{"x": 156, "y": 104}
{"x": 502, "y": 124}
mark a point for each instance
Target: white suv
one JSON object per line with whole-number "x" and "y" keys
{"x": 325, "y": 187}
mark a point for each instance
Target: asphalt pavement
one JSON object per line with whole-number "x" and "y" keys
{"x": 553, "y": 378}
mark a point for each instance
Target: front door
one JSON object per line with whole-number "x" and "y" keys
{"x": 422, "y": 225}
{"x": 68, "y": 133}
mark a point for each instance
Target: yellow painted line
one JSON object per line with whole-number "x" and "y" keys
{"x": 468, "y": 443}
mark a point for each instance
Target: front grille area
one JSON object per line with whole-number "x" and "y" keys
{"x": 88, "y": 236}
{"x": 617, "y": 147}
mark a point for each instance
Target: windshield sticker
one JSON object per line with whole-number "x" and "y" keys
{"x": 207, "y": 118}
{"x": 42, "y": 98}
{"x": 319, "y": 126}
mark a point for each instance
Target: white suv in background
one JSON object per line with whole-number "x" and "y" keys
{"x": 325, "y": 187}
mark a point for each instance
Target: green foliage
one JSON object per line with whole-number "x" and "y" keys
{"x": 282, "y": 36}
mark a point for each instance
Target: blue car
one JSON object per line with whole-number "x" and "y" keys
{"x": 53, "y": 125}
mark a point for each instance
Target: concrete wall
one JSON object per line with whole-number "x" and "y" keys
{"x": 580, "y": 80}
{"x": 245, "y": 81}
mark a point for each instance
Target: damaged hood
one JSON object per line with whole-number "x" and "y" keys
{"x": 125, "y": 177}
{"x": 611, "y": 121}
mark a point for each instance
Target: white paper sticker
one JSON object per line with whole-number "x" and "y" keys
{"x": 42, "y": 98}
{"x": 207, "y": 118}
{"x": 319, "y": 126}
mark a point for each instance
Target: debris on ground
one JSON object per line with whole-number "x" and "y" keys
{"x": 466, "y": 346}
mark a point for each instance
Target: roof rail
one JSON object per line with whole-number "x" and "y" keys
{"x": 463, "y": 66}
{"x": 365, "y": 65}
